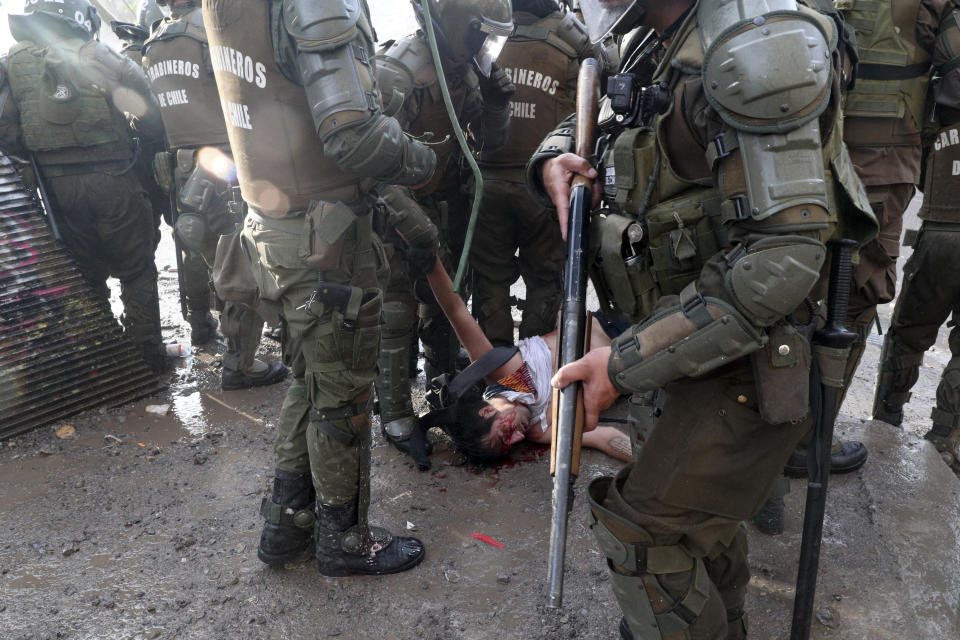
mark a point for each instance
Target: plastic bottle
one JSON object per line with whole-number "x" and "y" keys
{"x": 178, "y": 350}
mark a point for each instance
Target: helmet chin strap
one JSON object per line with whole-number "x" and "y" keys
{"x": 454, "y": 389}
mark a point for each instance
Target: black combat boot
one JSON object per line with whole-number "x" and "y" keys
{"x": 770, "y": 518}
{"x": 345, "y": 548}
{"x": 289, "y": 518}
{"x": 945, "y": 439}
{"x": 844, "y": 458}
{"x": 261, "y": 374}
{"x": 203, "y": 329}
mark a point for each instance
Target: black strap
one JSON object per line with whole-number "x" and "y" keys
{"x": 891, "y": 72}
{"x": 480, "y": 369}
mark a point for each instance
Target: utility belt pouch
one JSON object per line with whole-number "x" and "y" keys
{"x": 163, "y": 163}
{"x": 782, "y": 373}
{"x": 198, "y": 190}
{"x": 324, "y": 234}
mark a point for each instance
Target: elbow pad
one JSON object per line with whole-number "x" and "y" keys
{"x": 558, "y": 142}
{"x": 380, "y": 149}
{"x": 406, "y": 216}
{"x": 772, "y": 277}
{"x": 694, "y": 338}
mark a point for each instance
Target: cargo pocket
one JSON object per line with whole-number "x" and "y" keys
{"x": 232, "y": 273}
{"x": 356, "y": 333}
{"x": 324, "y": 234}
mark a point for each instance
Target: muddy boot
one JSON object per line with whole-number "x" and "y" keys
{"x": 203, "y": 329}
{"x": 289, "y": 518}
{"x": 770, "y": 519}
{"x": 410, "y": 437}
{"x": 844, "y": 458}
{"x": 259, "y": 375}
{"x": 345, "y": 547}
{"x": 945, "y": 440}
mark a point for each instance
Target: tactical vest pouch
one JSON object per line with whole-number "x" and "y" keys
{"x": 620, "y": 268}
{"x": 630, "y": 166}
{"x": 782, "y": 373}
{"x": 684, "y": 233}
{"x": 324, "y": 234}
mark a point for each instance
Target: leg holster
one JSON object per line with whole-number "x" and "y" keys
{"x": 635, "y": 566}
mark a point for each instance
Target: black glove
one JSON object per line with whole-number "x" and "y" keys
{"x": 416, "y": 446}
{"x": 497, "y": 89}
{"x": 420, "y": 263}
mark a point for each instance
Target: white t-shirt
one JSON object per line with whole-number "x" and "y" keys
{"x": 530, "y": 384}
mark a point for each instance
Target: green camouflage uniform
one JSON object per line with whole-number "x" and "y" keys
{"x": 698, "y": 219}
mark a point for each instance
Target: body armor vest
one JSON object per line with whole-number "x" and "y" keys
{"x": 893, "y": 74}
{"x": 423, "y": 110}
{"x": 661, "y": 227}
{"x": 942, "y": 178}
{"x": 64, "y": 119}
{"x": 538, "y": 61}
{"x": 279, "y": 158}
{"x": 177, "y": 63}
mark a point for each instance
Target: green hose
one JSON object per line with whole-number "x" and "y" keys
{"x": 478, "y": 178}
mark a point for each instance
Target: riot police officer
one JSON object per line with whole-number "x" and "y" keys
{"x": 470, "y": 34}
{"x": 72, "y": 93}
{"x": 297, "y": 82}
{"x": 516, "y": 236}
{"x": 718, "y": 203}
{"x": 199, "y": 169}
{"x": 931, "y": 288}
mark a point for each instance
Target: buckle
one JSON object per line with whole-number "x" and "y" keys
{"x": 741, "y": 207}
{"x": 691, "y": 304}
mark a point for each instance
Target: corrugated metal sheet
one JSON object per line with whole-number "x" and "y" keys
{"x": 61, "y": 349}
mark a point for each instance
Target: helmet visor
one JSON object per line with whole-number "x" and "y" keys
{"x": 489, "y": 52}
{"x": 601, "y": 16}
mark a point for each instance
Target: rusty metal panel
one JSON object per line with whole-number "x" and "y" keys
{"x": 61, "y": 349}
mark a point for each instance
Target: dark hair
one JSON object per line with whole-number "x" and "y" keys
{"x": 469, "y": 431}
{"x": 539, "y": 8}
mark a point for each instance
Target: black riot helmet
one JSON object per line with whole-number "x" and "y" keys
{"x": 46, "y": 20}
{"x": 468, "y": 29}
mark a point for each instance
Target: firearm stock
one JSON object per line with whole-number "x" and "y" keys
{"x": 568, "y": 414}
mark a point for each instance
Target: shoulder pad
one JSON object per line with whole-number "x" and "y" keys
{"x": 189, "y": 25}
{"x": 412, "y": 55}
{"x": 766, "y": 65}
{"x": 319, "y": 26}
{"x": 573, "y": 32}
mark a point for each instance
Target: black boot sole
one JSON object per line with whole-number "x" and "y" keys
{"x": 796, "y": 466}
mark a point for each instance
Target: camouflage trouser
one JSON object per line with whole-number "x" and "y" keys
{"x": 323, "y": 425}
{"x": 875, "y": 277}
{"x": 109, "y": 228}
{"x": 707, "y": 464}
{"x": 930, "y": 295}
{"x": 510, "y": 220}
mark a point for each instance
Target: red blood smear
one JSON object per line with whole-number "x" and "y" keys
{"x": 485, "y": 538}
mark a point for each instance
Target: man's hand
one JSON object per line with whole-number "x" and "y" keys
{"x": 598, "y": 392}
{"x": 497, "y": 89}
{"x": 557, "y": 175}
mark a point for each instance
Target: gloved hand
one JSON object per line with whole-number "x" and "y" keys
{"x": 420, "y": 263}
{"x": 415, "y": 445}
{"x": 409, "y": 219}
{"x": 497, "y": 89}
